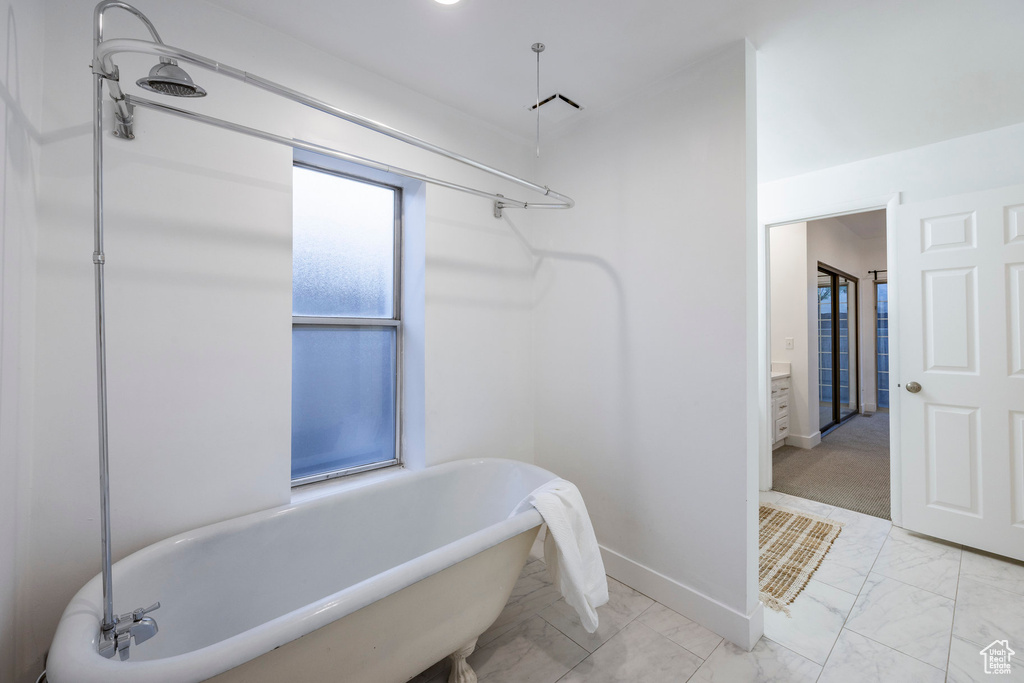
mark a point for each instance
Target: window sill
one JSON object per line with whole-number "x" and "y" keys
{"x": 329, "y": 487}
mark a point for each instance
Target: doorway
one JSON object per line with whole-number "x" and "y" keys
{"x": 829, "y": 362}
{"x": 838, "y": 354}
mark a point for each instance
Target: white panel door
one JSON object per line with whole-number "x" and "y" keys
{"x": 961, "y": 296}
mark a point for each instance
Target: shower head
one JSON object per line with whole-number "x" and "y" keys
{"x": 168, "y": 78}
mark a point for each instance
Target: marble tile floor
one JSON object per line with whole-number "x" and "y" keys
{"x": 885, "y": 605}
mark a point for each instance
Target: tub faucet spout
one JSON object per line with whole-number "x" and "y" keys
{"x": 144, "y": 629}
{"x": 135, "y": 625}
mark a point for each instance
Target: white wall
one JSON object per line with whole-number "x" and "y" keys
{"x": 21, "y": 56}
{"x": 641, "y": 338}
{"x": 789, "y": 306}
{"x": 974, "y": 162}
{"x": 199, "y": 287}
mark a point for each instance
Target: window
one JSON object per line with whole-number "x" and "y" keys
{"x": 882, "y": 342}
{"x": 347, "y": 330}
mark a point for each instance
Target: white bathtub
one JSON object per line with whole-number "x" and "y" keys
{"x": 371, "y": 584}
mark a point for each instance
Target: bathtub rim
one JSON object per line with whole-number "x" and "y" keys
{"x": 74, "y": 651}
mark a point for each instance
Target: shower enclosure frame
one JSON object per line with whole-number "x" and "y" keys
{"x": 106, "y": 73}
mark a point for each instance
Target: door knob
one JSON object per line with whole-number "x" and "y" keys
{"x": 913, "y": 387}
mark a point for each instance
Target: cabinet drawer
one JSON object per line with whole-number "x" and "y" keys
{"x": 779, "y": 386}
{"x": 781, "y": 428}
{"x": 781, "y": 405}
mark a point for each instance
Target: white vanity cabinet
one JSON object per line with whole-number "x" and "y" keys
{"x": 780, "y": 409}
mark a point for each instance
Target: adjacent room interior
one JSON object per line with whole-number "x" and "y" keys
{"x": 829, "y": 356}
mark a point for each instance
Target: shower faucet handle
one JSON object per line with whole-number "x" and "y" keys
{"x": 136, "y": 615}
{"x": 143, "y": 611}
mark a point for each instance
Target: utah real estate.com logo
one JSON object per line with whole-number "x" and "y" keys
{"x": 997, "y": 657}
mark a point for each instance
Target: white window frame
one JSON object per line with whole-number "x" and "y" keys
{"x": 409, "y": 405}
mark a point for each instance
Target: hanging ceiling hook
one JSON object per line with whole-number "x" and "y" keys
{"x": 538, "y": 48}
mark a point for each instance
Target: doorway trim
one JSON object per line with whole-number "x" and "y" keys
{"x": 889, "y": 203}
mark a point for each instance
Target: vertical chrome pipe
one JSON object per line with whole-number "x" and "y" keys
{"x": 101, "y": 351}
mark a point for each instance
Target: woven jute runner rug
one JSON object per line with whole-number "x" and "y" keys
{"x": 792, "y": 545}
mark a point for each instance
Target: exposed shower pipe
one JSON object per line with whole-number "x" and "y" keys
{"x": 109, "y": 618}
{"x": 105, "y": 64}
{"x": 117, "y": 632}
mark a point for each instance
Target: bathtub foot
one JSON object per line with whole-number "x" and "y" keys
{"x": 461, "y": 671}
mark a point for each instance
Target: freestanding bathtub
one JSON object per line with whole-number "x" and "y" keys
{"x": 371, "y": 584}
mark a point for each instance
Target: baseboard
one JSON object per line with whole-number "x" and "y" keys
{"x": 869, "y": 409}
{"x": 743, "y": 630}
{"x": 804, "y": 441}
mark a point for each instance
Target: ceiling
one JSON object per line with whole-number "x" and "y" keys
{"x": 866, "y": 225}
{"x": 838, "y": 81}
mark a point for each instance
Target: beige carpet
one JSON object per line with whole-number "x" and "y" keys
{"x": 848, "y": 469}
{"x": 791, "y": 546}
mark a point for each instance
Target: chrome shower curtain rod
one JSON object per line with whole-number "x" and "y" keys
{"x": 506, "y": 202}
{"x": 104, "y": 66}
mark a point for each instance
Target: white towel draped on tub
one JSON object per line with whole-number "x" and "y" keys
{"x": 570, "y": 549}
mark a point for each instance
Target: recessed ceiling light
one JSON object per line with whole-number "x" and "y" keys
{"x": 446, "y": 2}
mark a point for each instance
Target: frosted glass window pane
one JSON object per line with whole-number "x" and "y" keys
{"x": 343, "y": 398}
{"x": 343, "y": 246}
